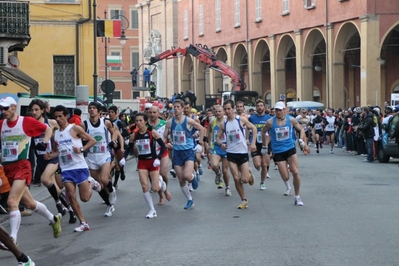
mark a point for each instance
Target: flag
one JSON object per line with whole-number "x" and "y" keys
{"x": 114, "y": 60}
{"x": 109, "y": 28}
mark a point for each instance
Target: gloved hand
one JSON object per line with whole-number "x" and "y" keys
{"x": 156, "y": 163}
{"x": 41, "y": 146}
{"x": 122, "y": 162}
{"x": 198, "y": 148}
{"x": 264, "y": 150}
{"x": 126, "y": 142}
{"x": 301, "y": 144}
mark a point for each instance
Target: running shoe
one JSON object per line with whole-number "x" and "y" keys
{"x": 227, "y": 192}
{"x": 123, "y": 176}
{"x": 243, "y": 205}
{"x": 61, "y": 209}
{"x": 287, "y": 192}
{"x": 298, "y": 201}
{"x": 189, "y": 205}
{"x": 109, "y": 211}
{"x": 217, "y": 177}
{"x": 267, "y": 175}
{"x": 29, "y": 263}
{"x": 203, "y": 155}
{"x": 112, "y": 197}
{"x": 220, "y": 185}
{"x": 251, "y": 179}
{"x": 82, "y": 227}
{"x": 172, "y": 172}
{"x": 262, "y": 186}
{"x": 13, "y": 240}
{"x": 57, "y": 225}
{"x": 151, "y": 214}
{"x": 198, "y": 176}
{"x": 201, "y": 172}
{"x": 72, "y": 217}
{"x": 275, "y": 167}
{"x": 317, "y": 151}
{"x": 94, "y": 184}
{"x": 190, "y": 187}
{"x": 194, "y": 182}
{"x": 162, "y": 183}
{"x": 209, "y": 166}
{"x": 331, "y": 151}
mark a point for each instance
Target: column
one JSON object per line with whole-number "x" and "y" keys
{"x": 272, "y": 45}
{"x": 250, "y": 85}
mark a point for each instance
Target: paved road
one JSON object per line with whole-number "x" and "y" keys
{"x": 350, "y": 217}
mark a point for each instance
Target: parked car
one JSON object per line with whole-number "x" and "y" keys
{"x": 386, "y": 146}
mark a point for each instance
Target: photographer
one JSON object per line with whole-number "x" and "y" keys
{"x": 366, "y": 127}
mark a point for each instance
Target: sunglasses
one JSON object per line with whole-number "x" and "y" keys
{"x": 4, "y": 108}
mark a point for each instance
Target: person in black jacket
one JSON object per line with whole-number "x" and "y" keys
{"x": 366, "y": 127}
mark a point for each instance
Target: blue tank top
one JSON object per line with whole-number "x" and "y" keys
{"x": 259, "y": 122}
{"x": 214, "y": 146}
{"x": 182, "y": 138}
{"x": 281, "y": 136}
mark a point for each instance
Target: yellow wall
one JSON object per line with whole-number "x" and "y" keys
{"x": 53, "y": 32}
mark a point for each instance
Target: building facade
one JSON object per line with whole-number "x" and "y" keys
{"x": 340, "y": 52}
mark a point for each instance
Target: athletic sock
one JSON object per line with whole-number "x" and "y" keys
{"x": 117, "y": 174}
{"x": 43, "y": 211}
{"x": 64, "y": 200}
{"x": 15, "y": 222}
{"x": 53, "y": 192}
{"x": 287, "y": 184}
{"x": 186, "y": 192}
{"x": 23, "y": 258}
{"x": 110, "y": 187}
{"x": 268, "y": 169}
{"x": 317, "y": 144}
{"x": 148, "y": 200}
{"x": 104, "y": 196}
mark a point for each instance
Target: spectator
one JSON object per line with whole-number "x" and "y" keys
{"x": 366, "y": 127}
{"x": 146, "y": 75}
{"x": 134, "y": 76}
{"x": 75, "y": 118}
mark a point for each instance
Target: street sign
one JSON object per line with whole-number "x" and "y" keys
{"x": 108, "y": 86}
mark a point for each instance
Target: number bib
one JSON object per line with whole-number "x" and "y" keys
{"x": 282, "y": 133}
{"x": 233, "y": 136}
{"x": 317, "y": 126}
{"x": 215, "y": 134}
{"x": 48, "y": 148}
{"x": 330, "y": 127}
{"x": 66, "y": 157}
{"x": 10, "y": 151}
{"x": 179, "y": 137}
{"x": 100, "y": 146}
{"x": 259, "y": 137}
{"x": 143, "y": 146}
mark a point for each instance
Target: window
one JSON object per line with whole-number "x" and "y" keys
{"x": 286, "y": 7}
{"x": 116, "y": 95}
{"x": 185, "y": 25}
{"x": 258, "y": 9}
{"x": 136, "y": 95}
{"x": 201, "y": 20}
{"x": 116, "y": 58}
{"x": 134, "y": 18}
{"x": 117, "y": 14}
{"x": 236, "y": 13}
{"x": 64, "y": 75}
{"x": 308, "y": 4}
{"x": 218, "y": 14}
{"x": 135, "y": 60}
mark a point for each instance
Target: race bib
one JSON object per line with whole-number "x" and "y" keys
{"x": 259, "y": 137}
{"x": 330, "y": 127}
{"x": 282, "y": 133}
{"x": 66, "y": 157}
{"x": 143, "y": 146}
{"x": 179, "y": 137}
{"x": 10, "y": 151}
{"x": 318, "y": 126}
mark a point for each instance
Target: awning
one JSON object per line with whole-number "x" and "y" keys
{"x": 22, "y": 79}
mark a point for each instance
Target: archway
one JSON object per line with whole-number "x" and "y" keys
{"x": 261, "y": 68}
{"x": 314, "y": 66}
{"x": 218, "y": 77}
{"x": 187, "y": 75}
{"x": 347, "y": 67}
{"x": 240, "y": 62}
{"x": 389, "y": 61}
{"x": 285, "y": 68}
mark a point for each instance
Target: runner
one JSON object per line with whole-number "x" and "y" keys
{"x": 237, "y": 149}
{"x": 159, "y": 126}
{"x": 119, "y": 149}
{"x": 330, "y": 129}
{"x": 304, "y": 121}
{"x": 16, "y": 132}
{"x": 74, "y": 169}
{"x": 240, "y": 109}
{"x": 317, "y": 123}
{"x": 217, "y": 154}
{"x": 6, "y": 243}
{"x": 260, "y": 161}
{"x": 280, "y": 128}
{"x": 180, "y": 128}
{"x": 98, "y": 156}
{"x": 148, "y": 160}
{"x": 47, "y": 169}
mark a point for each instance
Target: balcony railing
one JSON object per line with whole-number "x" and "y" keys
{"x": 14, "y": 19}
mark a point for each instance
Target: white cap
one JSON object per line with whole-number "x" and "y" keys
{"x": 148, "y": 105}
{"x": 7, "y": 101}
{"x": 279, "y": 105}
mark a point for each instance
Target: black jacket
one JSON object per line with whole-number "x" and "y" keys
{"x": 366, "y": 126}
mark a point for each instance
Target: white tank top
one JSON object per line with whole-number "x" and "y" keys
{"x": 15, "y": 143}
{"x": 69, "y": 160}
{"x": 331, "y": 122}
{"x": 236, "y": 141}
{"x": 100, "y": 134}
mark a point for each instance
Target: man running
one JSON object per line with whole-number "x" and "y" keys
{"x": 280, "y": 129}
{"x": 260, "y": 161}
{"x": 317, "y": 123}
{"x": 47, "y": 169}
{"x": 180, "y": 127}
{"x": 304, "y": 121}
{"x": 6, "y": 243}
{"x": 217, "y": 154}
{"x": 98, "y": 156}
{"x": 237, "y": 149}
{"x": 330, "y": 129}
{"x": 74, "y": 170}
{"x": 16, "y": 132}
{"x": 159, "y": 126}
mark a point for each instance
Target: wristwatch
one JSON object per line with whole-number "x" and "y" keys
{"x": 82, "y": 150}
